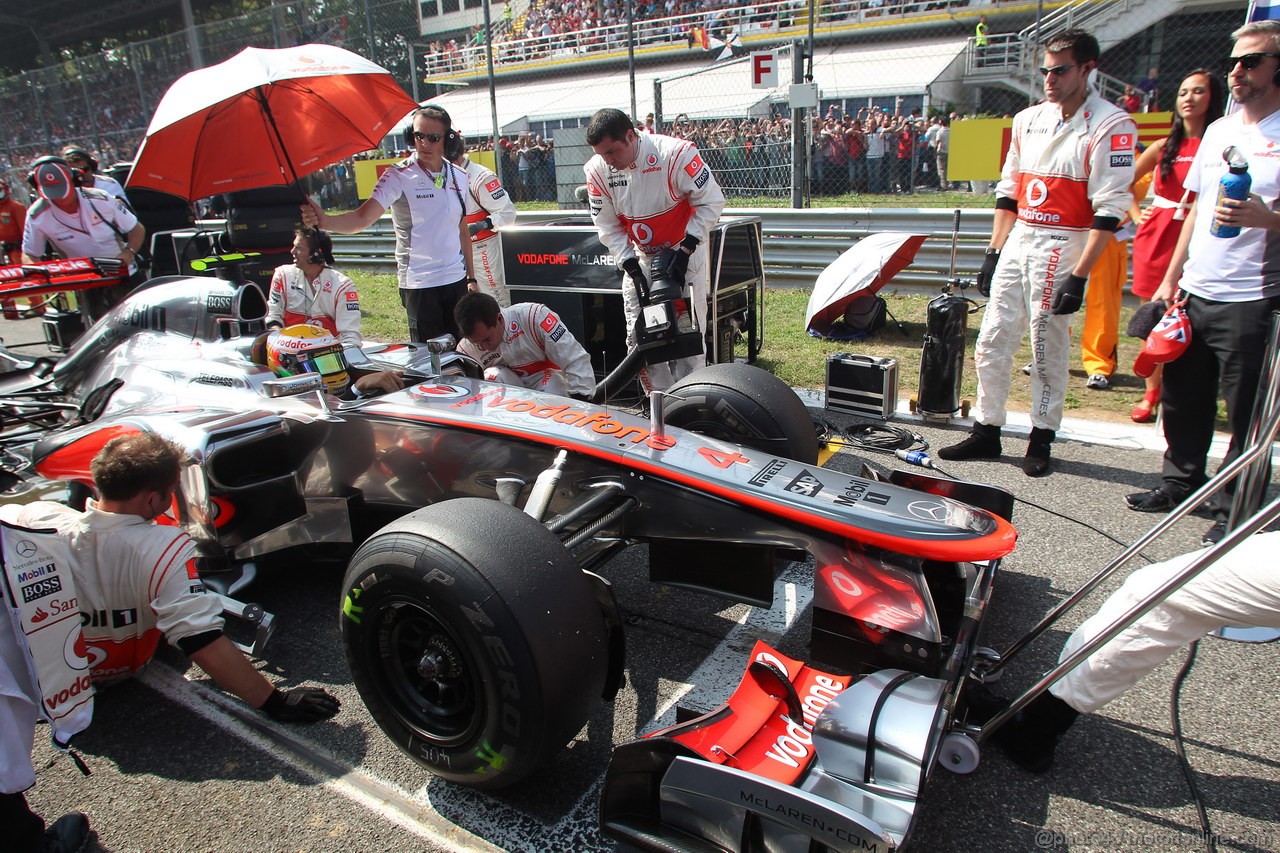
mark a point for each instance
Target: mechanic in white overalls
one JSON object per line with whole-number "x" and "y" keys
{"x": 489, "y": 207}
{"x": 524, "y": 344}
{"x": 649, "y": 193}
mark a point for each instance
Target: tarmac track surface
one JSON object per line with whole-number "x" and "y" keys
{"x": 179, "y": 766}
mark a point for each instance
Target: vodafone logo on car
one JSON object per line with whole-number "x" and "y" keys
{"x": 440, "y": 390}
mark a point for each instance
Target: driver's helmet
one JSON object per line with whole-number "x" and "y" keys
{"x": 304, "y": 348}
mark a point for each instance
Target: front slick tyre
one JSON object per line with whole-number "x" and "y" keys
{"x": 745, "y": 405}
{"x": 474, "y": 639}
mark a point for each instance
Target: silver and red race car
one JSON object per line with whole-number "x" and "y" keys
{"x": 473, "y": 517}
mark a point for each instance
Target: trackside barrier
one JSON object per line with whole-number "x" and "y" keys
{"x": 798, "y": 244}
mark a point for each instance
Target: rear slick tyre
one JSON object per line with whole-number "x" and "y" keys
{"x": 474, "y": 639}
{"x": 746, "y": 405}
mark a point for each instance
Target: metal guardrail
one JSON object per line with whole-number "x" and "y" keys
{"x": 798, "y": 244}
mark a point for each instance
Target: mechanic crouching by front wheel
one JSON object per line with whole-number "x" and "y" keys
{"x": 1063, "y": 191}
{"x": 136, "y": 582}
{"x": 650, "y": 193}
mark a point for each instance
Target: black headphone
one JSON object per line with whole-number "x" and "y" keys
{"x": 321, "y": 247}
{"x": 437, "y": 113}
{"x": 75, "y": 152}
{"x": 77, "y": 178}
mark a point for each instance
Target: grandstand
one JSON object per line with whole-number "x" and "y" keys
{"x": 888, "y": 53}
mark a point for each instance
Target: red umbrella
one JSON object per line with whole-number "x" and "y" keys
{"x": 862, "y": 270}
{"x": 264, "y": 117}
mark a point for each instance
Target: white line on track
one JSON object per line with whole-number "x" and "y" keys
{"x": 708, "y": 686}
{"x": 387, "y": 801}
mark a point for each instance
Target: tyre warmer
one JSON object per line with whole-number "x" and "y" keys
{"x": 797, "y": 759}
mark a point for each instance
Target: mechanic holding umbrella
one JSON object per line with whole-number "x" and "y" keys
{"x": 136, "y": 581}
{"x": 654, "y": 202}
{"x": 80, "y": 222}
{"x": 433, "y": 246}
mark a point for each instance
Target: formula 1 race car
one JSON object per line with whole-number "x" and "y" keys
{"x": 475, "y": 515}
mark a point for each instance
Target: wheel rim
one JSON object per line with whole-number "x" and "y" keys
{"x": 425, "y": 672}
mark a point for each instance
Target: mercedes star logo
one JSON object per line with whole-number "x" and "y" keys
{"x": 25, "y": 548}
{"x": 928, "y": 510}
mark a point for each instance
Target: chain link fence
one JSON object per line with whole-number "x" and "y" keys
{"x": 897, "y": 66}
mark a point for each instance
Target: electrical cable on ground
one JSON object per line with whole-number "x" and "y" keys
{"x": 1180, "y": 747}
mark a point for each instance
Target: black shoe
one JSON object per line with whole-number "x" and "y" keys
{"x": 1214, "y": 534}
{"x": 983, "y": 443}
{"x": 1030, "y": 739}
{"x": 1156, "y": 500}
{"x": 69, "y": 834}
{"x": 1036, "y": 463}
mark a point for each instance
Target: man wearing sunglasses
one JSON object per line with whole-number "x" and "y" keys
{"x": 434, "y": 265}
{"x": 1232, "y": 284}
{"x": 1062, "y": 193}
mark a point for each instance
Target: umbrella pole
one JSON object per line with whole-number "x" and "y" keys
{"x": 261, "y": 94}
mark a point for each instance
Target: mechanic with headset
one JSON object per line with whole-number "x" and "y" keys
{"x": 136, "y": 582}
{"x": 309, "y": 290}
{"x": 433, "y": 245}
{"x": 81, "y": 223}
{"x": 304, "y": 348}
{"x": 87, "y": 165}
{"x": 524, "y": 344}
{"x": 654, "y": 202}
{"x": 1231, "y": 284}
{"x": 1062, "y": 193}
{"x": 489, "y": 207}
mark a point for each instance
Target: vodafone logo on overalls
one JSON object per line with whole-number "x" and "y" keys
{"x": 1037, "y": 192}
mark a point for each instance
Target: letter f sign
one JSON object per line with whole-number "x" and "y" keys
{"x": 764, "y": 70}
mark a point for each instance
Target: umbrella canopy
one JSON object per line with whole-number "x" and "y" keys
{"x": 265, "y": 117}
{"x": 863, "y": 269}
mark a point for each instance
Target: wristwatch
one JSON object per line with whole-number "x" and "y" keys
{"x": 469, "y": 281}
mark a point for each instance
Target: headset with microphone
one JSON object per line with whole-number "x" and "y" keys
{"x": 321, "y": 247}
{"x": 74, "y": 152}
{"x": 437, "y": 113}
{"x": 73, "y": 176}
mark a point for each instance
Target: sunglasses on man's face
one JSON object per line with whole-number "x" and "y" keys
{"x": 1056, "y": 71}
{"x": 1248, "y": 62}
{"x": 427, "y": 137}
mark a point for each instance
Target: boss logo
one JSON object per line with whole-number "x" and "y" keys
{"x": 40, "y": 589}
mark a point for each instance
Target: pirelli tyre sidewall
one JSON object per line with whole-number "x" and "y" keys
{"x": 474, "y": 639}
{"x": 743, "y": 404}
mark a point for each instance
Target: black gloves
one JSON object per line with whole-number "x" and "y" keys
{"x": 631, "y": 266}
{"x": 475, "y": 228}
{"x": 1068, "y": 295}
{"x": 300, "y": 705}
{"x": 987, "y": 272}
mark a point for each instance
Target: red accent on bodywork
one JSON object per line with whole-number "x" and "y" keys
{"x": 71, "y": 462}
{"x": 997, "y": 543}
{"x": 752, "y": 731}
{"x": 866, "y": 590}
